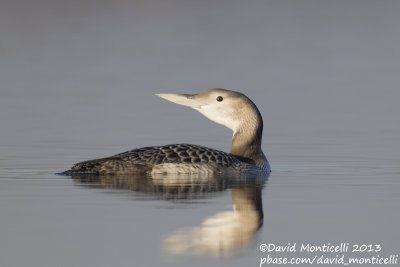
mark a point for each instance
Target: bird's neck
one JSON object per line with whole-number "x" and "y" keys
{"x": 246, "y": 140}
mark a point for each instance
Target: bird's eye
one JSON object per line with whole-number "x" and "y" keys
{"x": 220, "y": 98}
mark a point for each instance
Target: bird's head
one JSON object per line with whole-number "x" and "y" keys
{"x": 229, "y": 108}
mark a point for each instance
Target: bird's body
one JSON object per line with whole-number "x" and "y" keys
{"x": 174, "y": 158}
{"x": 239, "y": 114}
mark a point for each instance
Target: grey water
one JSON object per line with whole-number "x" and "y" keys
{"x": 77, "y": 82}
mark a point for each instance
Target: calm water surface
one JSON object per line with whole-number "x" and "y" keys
{"x": 77, "y": 82}
{"x": 49, "y": 220}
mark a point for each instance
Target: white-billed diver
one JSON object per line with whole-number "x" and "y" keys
{"x": 231, "y": 109}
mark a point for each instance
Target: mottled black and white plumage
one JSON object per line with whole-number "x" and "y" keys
{"x": 229, "y": 108}
{"x": 143, "y": 160}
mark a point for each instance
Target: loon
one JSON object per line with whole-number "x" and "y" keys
{"x": 229, "y": 108}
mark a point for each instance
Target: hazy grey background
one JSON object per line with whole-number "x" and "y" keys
{"x": 78, "y": 78}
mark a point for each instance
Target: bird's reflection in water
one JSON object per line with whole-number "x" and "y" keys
{"x": 226, "y": 232}
{"x": 220, "y": 235}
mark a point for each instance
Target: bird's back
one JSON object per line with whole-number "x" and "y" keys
{"x": 175, "y": 158}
